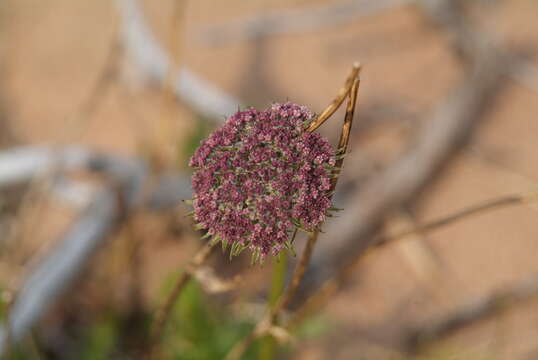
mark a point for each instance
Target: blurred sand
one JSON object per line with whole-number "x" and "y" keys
{"x": 53, "y": 52}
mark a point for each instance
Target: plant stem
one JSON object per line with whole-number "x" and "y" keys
{"x": 162, "y": 315}
{"x": 280, "y": 267}
{"x": 350, "y": 91}
{"x": 340, "y": 97}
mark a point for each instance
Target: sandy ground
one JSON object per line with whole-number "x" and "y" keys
{"x": 53, "y": 52}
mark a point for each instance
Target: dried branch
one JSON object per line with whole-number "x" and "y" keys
{"x": 342, "y": 150}
{"x": 25, "y": 163}
{"x": 436, "y": 142}
{"x": 416, "y": 251}
{"x": 21, "y": 164}
{"x": 57, "y": 271}
{"x": 467, "y": 315}
{"x": 465, "y": 40}
{"x": 142, "y": 47}
{"x": 347, "y": 11}
{"x": 293, "y": 21}
{"x": 59, "y": 268}
{"x": 62, "y": 265}
{"x": 330, "y": 286}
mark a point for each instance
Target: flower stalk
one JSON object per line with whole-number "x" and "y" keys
{"x": 260, "y": 174}
{"x": 163, "y": 313}
{"x": 350, "y": 90}
{"x": 280, "y": 267}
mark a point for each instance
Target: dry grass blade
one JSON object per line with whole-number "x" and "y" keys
{"x": 342, "y": 148}
{"x": 348, "y": 120}
{"x": 335, "y": 104}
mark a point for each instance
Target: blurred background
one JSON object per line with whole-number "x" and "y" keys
{"x": 103, "y": 102}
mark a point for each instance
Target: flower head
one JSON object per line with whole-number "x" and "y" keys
{"x": 260, "y": 175}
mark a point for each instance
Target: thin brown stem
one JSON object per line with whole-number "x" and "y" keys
{"x": 163, "y": 313}
{"x": 271, "y": 317}
{"x": 331, "y": 286}
{"x": 34, "y": 347}
{"x": 340, "y": 97}
{"x": 342, "y": 149}
{"x": 298, "y": 275}
{"x": 242, "y": 346}
{"x": 9, "y": 331}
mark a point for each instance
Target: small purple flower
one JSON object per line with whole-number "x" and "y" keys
{"x": 260, "y": 175}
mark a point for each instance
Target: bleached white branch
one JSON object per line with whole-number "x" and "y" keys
{"x": 144, "y": 50}
{"x": 61, "y": 266}
{"x": 294, "y": 21}
{"x": 58, "y": 270}
{"x": 24, "y": 163}
{"x": 107, "y": 207}
{"x": 76, "y": 194}
{"x": 316, "y": 18}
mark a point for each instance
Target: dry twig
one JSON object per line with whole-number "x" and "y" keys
{"x": 331, "y": 285}
{"x": 59, "y": 268}
{"x": 437, "y": 141}
{"x": 339, "y": 99}
{"x": 343, "y": 12}
{"x": 25, "y": 163}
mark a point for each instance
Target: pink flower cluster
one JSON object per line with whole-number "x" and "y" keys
{"x": 260, "y": 175}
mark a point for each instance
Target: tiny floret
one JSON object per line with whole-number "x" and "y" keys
{"x": 260, "y": 176}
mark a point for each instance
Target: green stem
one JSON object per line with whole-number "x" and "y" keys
{"x": 280, "y": 267}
